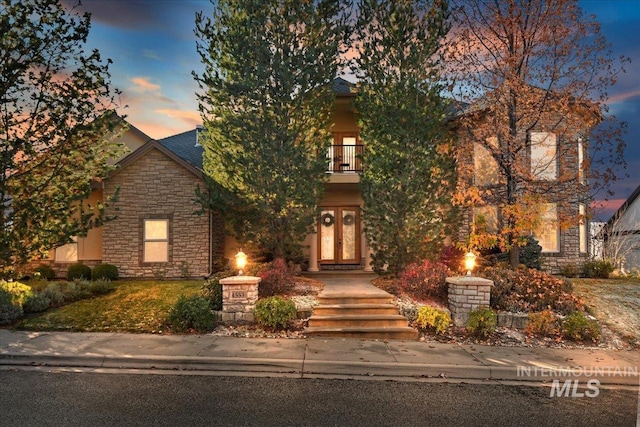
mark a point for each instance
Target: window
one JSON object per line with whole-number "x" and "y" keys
{"x": 583, "y": 229}
{"x": 581, "y": 177}
{"x": 543, "y": 155}
{"x": 156, "y": 240}
{"x": 68, "y": 252}
{"x": 484, "y": 164}
{"x": 548, "y": 234}
{"x": 485, "y": 219}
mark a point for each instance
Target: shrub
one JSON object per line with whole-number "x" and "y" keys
{"x": 425, "y": 280}
{"x": 543, "y": 323}
{"x": 101, "y": 286}
{"x": 275, "y": 312}
{"x": 55, "y": 294}
{"x": 191, "y": 313}
{"x": 104, "y": 271}
{"x": 530, "y": 253}
{"x": 578, "y": 327}
{"x": 570, "y": 270}
{"x": 77, "y": 290}
{"x": 212, "y": 289}
{"x": 78, "y": 271}
{"x": 453, "y": 258}
{"x": 482, "y": 322}
{"x": 36, "y": 303}
{"x": 526, "y": 290}
{"x": 598, "y": 269}
{"x": 276, "y": 279}
{"x": 46, "y": 272}
{"x": 12, "y": 296}
{"x": 433, "y": 319}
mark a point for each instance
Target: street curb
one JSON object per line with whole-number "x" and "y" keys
{"x": 303, "y": 368}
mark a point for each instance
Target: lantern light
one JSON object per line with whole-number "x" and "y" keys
{"x": 469, "y": 262}
{"x": 241, "y": 262}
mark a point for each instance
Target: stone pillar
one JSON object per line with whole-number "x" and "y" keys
{"x": 467, "y": 293}
{"x": 367, "y": 258}
{"x": 313, "y": 253}
{"x": 239, "y": 296}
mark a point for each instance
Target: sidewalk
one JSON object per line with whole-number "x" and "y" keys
{"x": 314, "y": 357}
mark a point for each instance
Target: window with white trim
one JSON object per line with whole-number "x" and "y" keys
{"x": 68, "y": 252}
{"x": 543, "y": 155}
{"x": 156, "y": 240}
{"x": 485, "y": 167}
{"x": 548, "y": 234}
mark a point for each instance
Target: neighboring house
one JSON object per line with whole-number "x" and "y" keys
{"x": 620, "y": 236}
{"x": 158, "y": 231}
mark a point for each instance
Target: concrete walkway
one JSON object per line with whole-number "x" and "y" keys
{"x": 311, "y": 358}
{"x": 340, "y": 284}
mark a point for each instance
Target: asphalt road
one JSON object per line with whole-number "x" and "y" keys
{"x": 30, "y": 398}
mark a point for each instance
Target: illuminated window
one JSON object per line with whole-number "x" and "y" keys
{"x": 543, "y": 155}
{"x": 156, "y": 240}
{"x": 583, "y": 230}
{"x": 68, "y": 252}
{"x": 485, "y": 165}
{"x": 581, "y": 174}
{"x": 548, "y": 234}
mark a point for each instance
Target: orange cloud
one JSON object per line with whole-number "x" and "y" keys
{"x": 191, "y": 117}
{"x": 143, "y": 85}
{"x": 624, "y": 96}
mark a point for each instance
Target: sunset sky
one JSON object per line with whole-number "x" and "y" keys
{"x": 152, "y": 45}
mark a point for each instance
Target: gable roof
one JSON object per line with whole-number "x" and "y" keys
{"x": 343, "y": 87}
{"x": 155, "y": 145}
{"x": 620, "y": 212}
{"x": 184, "y": 146}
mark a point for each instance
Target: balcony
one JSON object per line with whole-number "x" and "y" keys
{"x": 345, "y": 159}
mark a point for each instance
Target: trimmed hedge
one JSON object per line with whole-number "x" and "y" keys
{"x": 104, "y": 271}
{"x": 78, "y": 271}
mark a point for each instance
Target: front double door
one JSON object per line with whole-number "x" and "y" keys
{"x": 339, "y": 235}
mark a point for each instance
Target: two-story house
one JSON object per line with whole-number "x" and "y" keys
{"x": 158, "y": 231}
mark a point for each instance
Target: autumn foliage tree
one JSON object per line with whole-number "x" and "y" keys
{"x": 55, "y": 123}
{"x": 266, "y": 100}
{"x": 409, "y": 175}
{"x": 534, "y": 76}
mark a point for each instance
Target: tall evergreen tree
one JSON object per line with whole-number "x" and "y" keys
{"x": 409, "y": 174}
{"x": 266, "y": 102}
{"x": 55, "y": 124}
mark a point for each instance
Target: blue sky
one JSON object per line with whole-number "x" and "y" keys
{"x": 152, "y": 45}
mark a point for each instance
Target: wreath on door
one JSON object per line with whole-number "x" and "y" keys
{"x": 348, "y": 219}
{"x": 327, "y": 220}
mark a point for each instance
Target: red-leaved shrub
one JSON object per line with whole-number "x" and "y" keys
{"x": 526, "y": 290}
{"x": 425, "y": 280}
{"x": 276, "y": 277}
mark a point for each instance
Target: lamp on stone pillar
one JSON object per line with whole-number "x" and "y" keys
{"x": 469, "y": 262}
{"x": 241, "y": 262}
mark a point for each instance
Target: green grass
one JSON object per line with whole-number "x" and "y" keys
{"x": 135, "y": 306}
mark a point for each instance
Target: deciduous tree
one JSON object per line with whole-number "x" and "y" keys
{"x": 409, "y": 174}
{"x": 55, "y": 103}
{"x": 535, "y": 74}
{"x": 266, "y": 102}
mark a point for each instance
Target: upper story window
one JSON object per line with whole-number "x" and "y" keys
{"x": 485, "y": 167}
{"x": 156, "y": 240}
{"x": 543, "y": 155}
{"x": 68, "y": 252}
{"x": 581, "y": 174}
{"x": 485, "y": 219}
{"x": 345, "y": 155}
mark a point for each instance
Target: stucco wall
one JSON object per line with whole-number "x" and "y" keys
{"x": 156, "y": 187}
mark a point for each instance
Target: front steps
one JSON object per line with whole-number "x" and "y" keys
{"x": 354, "y": 316}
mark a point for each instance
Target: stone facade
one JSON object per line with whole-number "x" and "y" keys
{"x": 467, "y": 293}
{"x": 155, "y": 186}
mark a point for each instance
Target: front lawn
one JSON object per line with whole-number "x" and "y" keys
{"x": 615, "y": 302}
{"x": 135, "y": 306}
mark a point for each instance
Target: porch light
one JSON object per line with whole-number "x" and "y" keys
{"x": 469, "y": 262}
{"x": 241, "y": 262}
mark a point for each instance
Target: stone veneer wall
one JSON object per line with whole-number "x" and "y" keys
{"x": 156, "y": 187}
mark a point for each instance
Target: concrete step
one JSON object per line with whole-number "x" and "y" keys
{"x": 358, "y": 321}
{"x": 392, "y": 333}
{"x": 342, "y": 299}
{"x": 350, "y": 309}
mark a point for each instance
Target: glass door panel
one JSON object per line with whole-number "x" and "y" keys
{"x": 327, "y": 235}
{"x": 348, "y": 240}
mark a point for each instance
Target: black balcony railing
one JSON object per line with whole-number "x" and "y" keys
{"x": 345, "y": 158}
